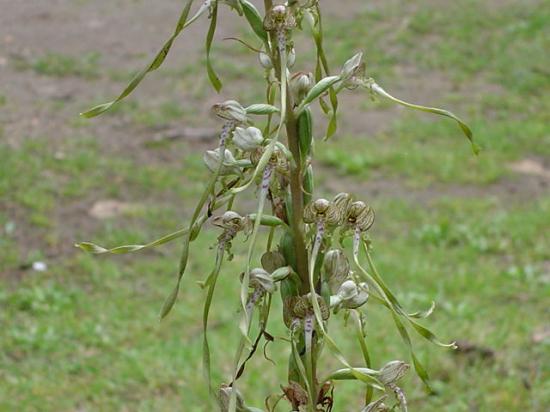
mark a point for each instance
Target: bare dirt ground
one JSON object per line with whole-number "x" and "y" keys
{"x": 126, "y": 33}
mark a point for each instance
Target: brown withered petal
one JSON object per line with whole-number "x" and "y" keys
{"x": 295, "y": 394}
{"x": 303, "y": 307}
{"x": 288, "y": 310}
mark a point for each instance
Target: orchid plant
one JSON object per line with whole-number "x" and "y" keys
{"x": 318, "y": 259}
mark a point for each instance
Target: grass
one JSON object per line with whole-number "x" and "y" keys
{"x": 84, "y": 335}
{"x": 62, "y": 65}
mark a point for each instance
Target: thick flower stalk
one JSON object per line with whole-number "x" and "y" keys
{"x": 306, "y": 258}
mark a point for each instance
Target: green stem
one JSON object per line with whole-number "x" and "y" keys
{"x": 296, "y": 195}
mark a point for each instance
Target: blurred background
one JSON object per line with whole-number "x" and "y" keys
{"x": 81, "y": 333}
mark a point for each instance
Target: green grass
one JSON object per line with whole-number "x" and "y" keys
{"x": 61, "y": 65}
{"x": 84, "y": 335}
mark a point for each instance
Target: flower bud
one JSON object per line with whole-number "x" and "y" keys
{"x": 247, "y": 139}
{"x": 271, "y": 261}
{"x": 337, "y": 269}
{"x": 360, "y": 215}
{"x": 351, "y": 67}
{"x": 359, "y": 299}
{"x": 212, "y": 160}
{"x": 230, "y": 110}
{"x": 347, "y": 290}
{"x": 229, "y": 220}
{"x": 291, "y": 59}
{"x": 392, "y": 371}
{"x": 265, "y": 60}
{"x": 299, "y": 85}
{"x": 316, "y": 210}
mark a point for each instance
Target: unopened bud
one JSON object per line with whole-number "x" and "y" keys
{"x": 229, "y": 220}
{"x": 265, "y": 60}
{"x": 351, "y": 67}
{"x": 273, "y": 260}
{"x": 212, "y": 160}
{"x": 347, "y": 290}
{"x": 291, "y": 58}
{"x": 230, "y": 110}
{"x": 337, "y": 269}
{"x": 392, "y": 371}
{"x": 247, "y": 139}
{"x": 360, "y": 215}
{"x": 319, "y": 209}
{"x": 358, "y": 299}
{"x": 300, "y": 84}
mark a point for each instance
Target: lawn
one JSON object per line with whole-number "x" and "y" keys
{"x": 469, "y": 232}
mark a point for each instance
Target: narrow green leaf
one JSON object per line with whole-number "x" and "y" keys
{"x": 254, "y": 19}
{"x": 268, "y": 220}
{"x": 196, "y": 224}
{"x": 418, "y": 367}
{"x": 422, "y": 314}
{"x": 429, "y": 335}
{"x": 96, "y": 249}
{"x": 211, "y": 282}
{"x": 154, "y": 65}
{"x": 170, "y": 300}
{"x": 260, "y": 109}
{"x": 305, "y": 134}
{"x": 360, "y": 334}
{"x": 321, "y": 87}
{"x": 214, "y": 79}
{"x": 463, "y": 126}
{"x": 348, "y": 374}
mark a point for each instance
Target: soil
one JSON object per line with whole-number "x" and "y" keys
{"x": 126, "y": 33}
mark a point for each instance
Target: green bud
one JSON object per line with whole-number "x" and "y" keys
{"x": 281, "y": 273}
{"x": 265, "y": 60}
{"x": 305, "y": 135}
{"x": 273, "y": 260}
{"x": 299, "y": 85}
{"x": 308, "y": 184}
